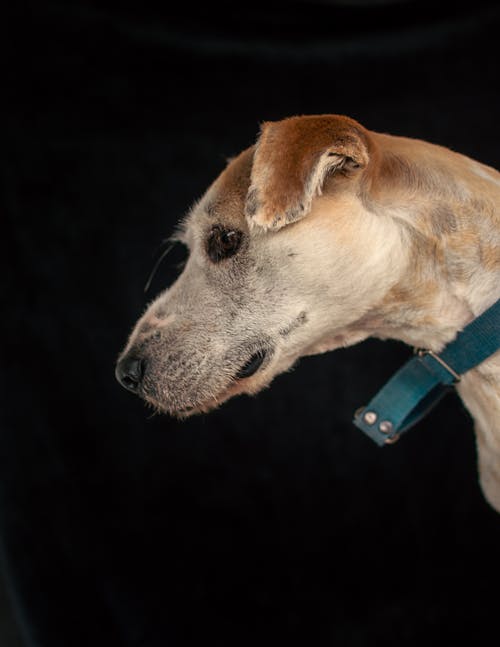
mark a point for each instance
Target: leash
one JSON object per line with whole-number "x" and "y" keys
{"x": 421, "y": 383}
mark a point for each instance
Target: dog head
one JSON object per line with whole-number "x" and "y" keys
{"x": 284, "y": 260}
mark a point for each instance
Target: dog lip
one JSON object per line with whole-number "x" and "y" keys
{"x": 186, "y": 411}
{"x": 233, "y": 386}
{"x": 252, "y": 365}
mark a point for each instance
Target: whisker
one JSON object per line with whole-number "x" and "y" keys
{"x": 157, "y": 265}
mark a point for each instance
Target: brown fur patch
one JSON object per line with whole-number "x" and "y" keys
{"x": 286, "y": 173}
{"x": 228, "y": 194}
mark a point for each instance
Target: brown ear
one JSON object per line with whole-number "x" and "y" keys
{"x": 292, "y": 159}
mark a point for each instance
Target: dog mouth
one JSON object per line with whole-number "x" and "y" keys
{"x": 249, "y": 369}
{"x": 252, "y": 365}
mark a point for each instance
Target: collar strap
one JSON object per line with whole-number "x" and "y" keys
{"x": 419, "y": 385}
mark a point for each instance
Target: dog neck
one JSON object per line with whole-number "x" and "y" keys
{"x": 451, "y": 275}
{"x": 432, "y": 327}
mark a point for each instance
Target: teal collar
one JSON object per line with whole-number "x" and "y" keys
{"x": 419, "y": 385}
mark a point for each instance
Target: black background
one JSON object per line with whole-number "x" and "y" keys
{"x": 272, "y": 520}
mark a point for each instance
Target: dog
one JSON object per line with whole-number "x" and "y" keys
{"x": 318, "y": 236}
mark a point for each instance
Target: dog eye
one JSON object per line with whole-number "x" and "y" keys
{"x": 223, "y": 243}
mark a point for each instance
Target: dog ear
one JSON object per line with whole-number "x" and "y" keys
{"x": 292, "y": 160}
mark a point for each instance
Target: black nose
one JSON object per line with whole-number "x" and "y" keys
{"x": 129, "y": 372}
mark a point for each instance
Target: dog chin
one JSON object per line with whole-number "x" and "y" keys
{"x": 249, "y": 386}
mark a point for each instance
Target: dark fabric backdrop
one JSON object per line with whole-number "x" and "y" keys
{"x": 272, "y": 520}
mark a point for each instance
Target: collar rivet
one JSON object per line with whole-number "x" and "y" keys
{"x": 370, "y": 417}
{"x": 385, "y": 427}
